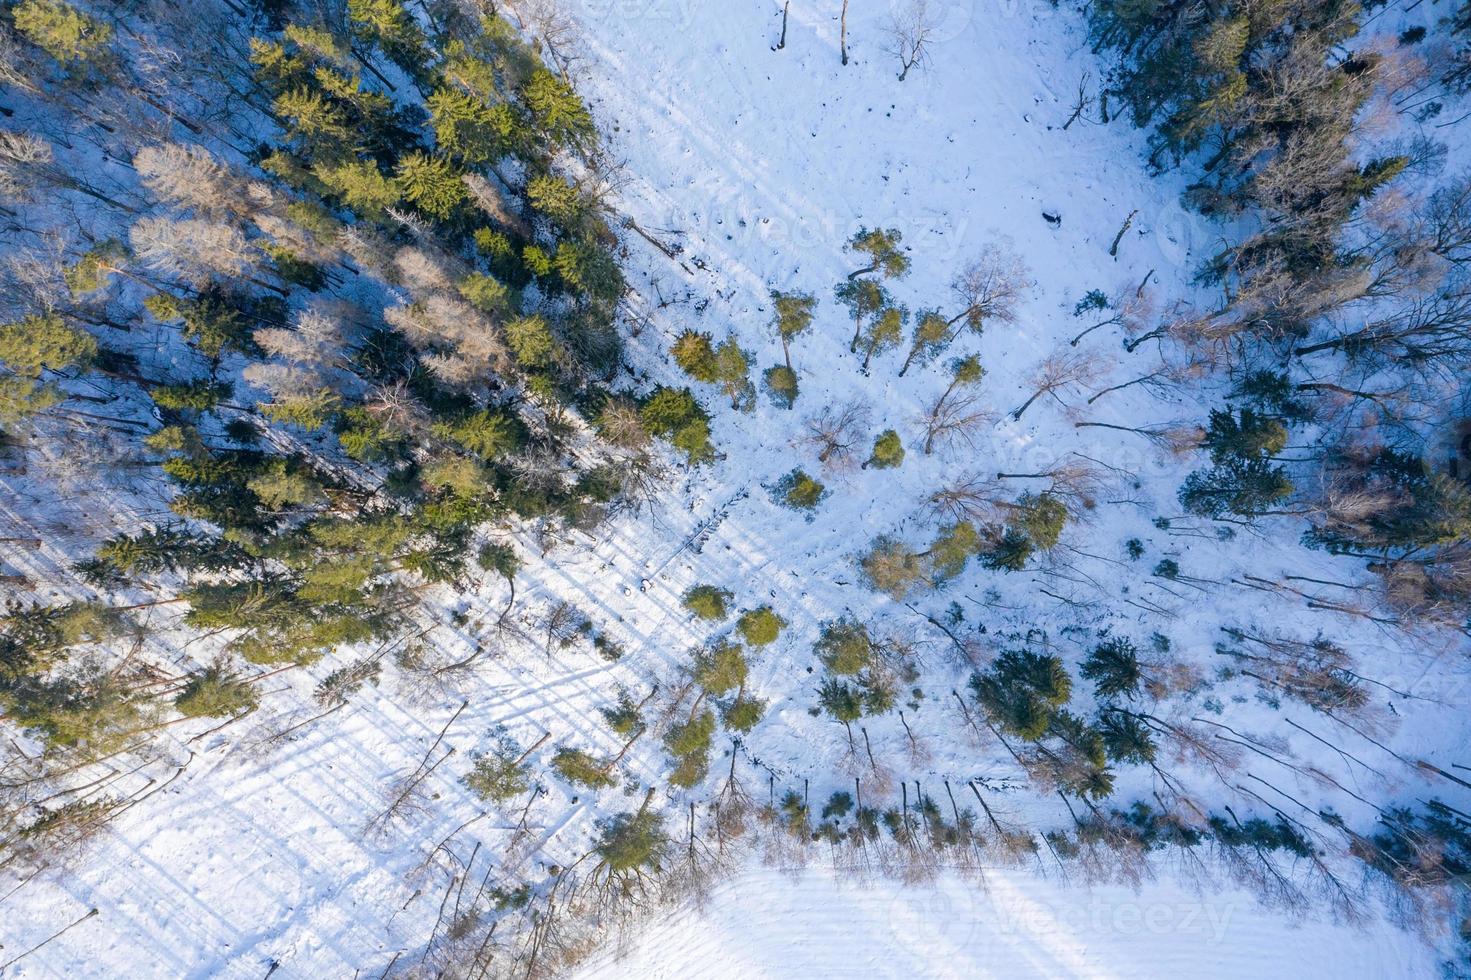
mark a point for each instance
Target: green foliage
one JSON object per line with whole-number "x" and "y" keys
{"x": 284, "y": 484}
{"x": 216, "y": 320}
{"x": 41, "y": 342}
{"x": 1042, "y": 518}
{"x": 360, "y": 185}
{"x": 694, "y": 352}
{"x": 489, "y": 433}
{"x": 1113, "y": 666}
{"x": 92, "y": 271}
{"x": 431, "y": 184}
{"x": 556, "y": 110}
{"x": 882, "y": 247}
{"x": 761, "y": 626}
{"x": 780, "y": 383}
{"x": 673, "y": 414}
{"x": 469, "y": 129}
{"x": 581, "y": 769}
{"x": 310, "y": 411}
{"x": 1126, "y": 737}
{"x": 389, "y": 25}
{"x": 951, "y": 550}
{"x": 216, "y": 692}
{"x": 799, "y": 491}
{"x": 61, "y": 30}
{"x": 892, "y": 567}
{"x": 844, "y": 647}
{"x": 201, "y": 395}
{"x": 707, "y": 601}
{"x": 793, "y": 313}
{"x": 721, "y": 669}
{"x": 557, "y": 199}
{"x": 743, "y": 714}
{"x": 632, "y": 842}
{"x": 1022, "y": 692}
{"x": 888, "y": 451}
{"x": 532, "y": 341}
{"x": 499, "y": 774}
{"x": 499, "y": 558}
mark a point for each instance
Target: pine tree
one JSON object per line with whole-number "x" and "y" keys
{"x": 721, "y": 669}
{"x": 732, "y": 371}
{"x": 761, "y": 626}
{"x": 1022, "y": 692}
{"x": 500, "y": 774}
{"x": 931, "y": 336}
{"x": 892, "y": 567}
{"x": 844, "y": 647}
{"x": 556, "y": 110}
{"x": 707, "y": 601}
{"x": 799, "y": 491}
{"x": 792, "y": 318}
{"x": 951, "y": 549}
{"x": 674, "y": 414}
{"x": 882, "y": 248}
{"x": 387, "y": 24}
{"x": 780, "y": 383}
{"x": 864, "y": 298}
{"x": 215, "y": 692}
{"x": 469, "y": 129}
{"x": 884, "y": 333}
{"x": 888, "y": 451}
{"x": 360, "y": 185}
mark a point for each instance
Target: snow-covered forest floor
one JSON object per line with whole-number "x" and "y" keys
{"x": 260, "y": 855}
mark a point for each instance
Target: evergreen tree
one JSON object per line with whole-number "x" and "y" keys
{"x": 1113, "y": 666}
{"x": 1022, "y": 692}
{"x": 892, "y": 567}
{"x": 732, "y": 370}
{"x": 799, "y": 491}
{"x": 883, "y": 334}
{"x": 674, "y": 414}
{"x": 881, "y": 245}
{"x": 694, "y": 352}
{"x": 844, "y": 647}
{"x": 61, "y": 30}
{"x": 388, "y": 25}
{"x": 931, "y": 335}
{"x": 215, "y": 692}
{"x": 431, "y": 184}
{"x": 792, "y": 318}
{"x": 864, "y": 299}
{"x": 500, "y": 774}
{"x": 707, "y": 601}
{"x": 721, "y": 669}
{"x": 556, "y": 110}
{"x": 888, "y": 451}
{"x": 781, "y": 384}
{"x": 761, "y": 626}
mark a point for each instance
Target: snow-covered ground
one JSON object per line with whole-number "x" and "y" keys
{"x": 1015, "y": 926}
{"x": 759, "y": 164}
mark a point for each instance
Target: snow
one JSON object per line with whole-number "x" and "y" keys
{"x": 1013, "y": 926}
{"x": 759, "y": 165}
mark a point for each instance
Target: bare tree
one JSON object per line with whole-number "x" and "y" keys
{"x": 837, "y": 430}
{"x": 910, "y": 30}
{"x": 957, "y": 417}
{"x": 1059, "y": 372}
{"x": 990, "y": 287}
